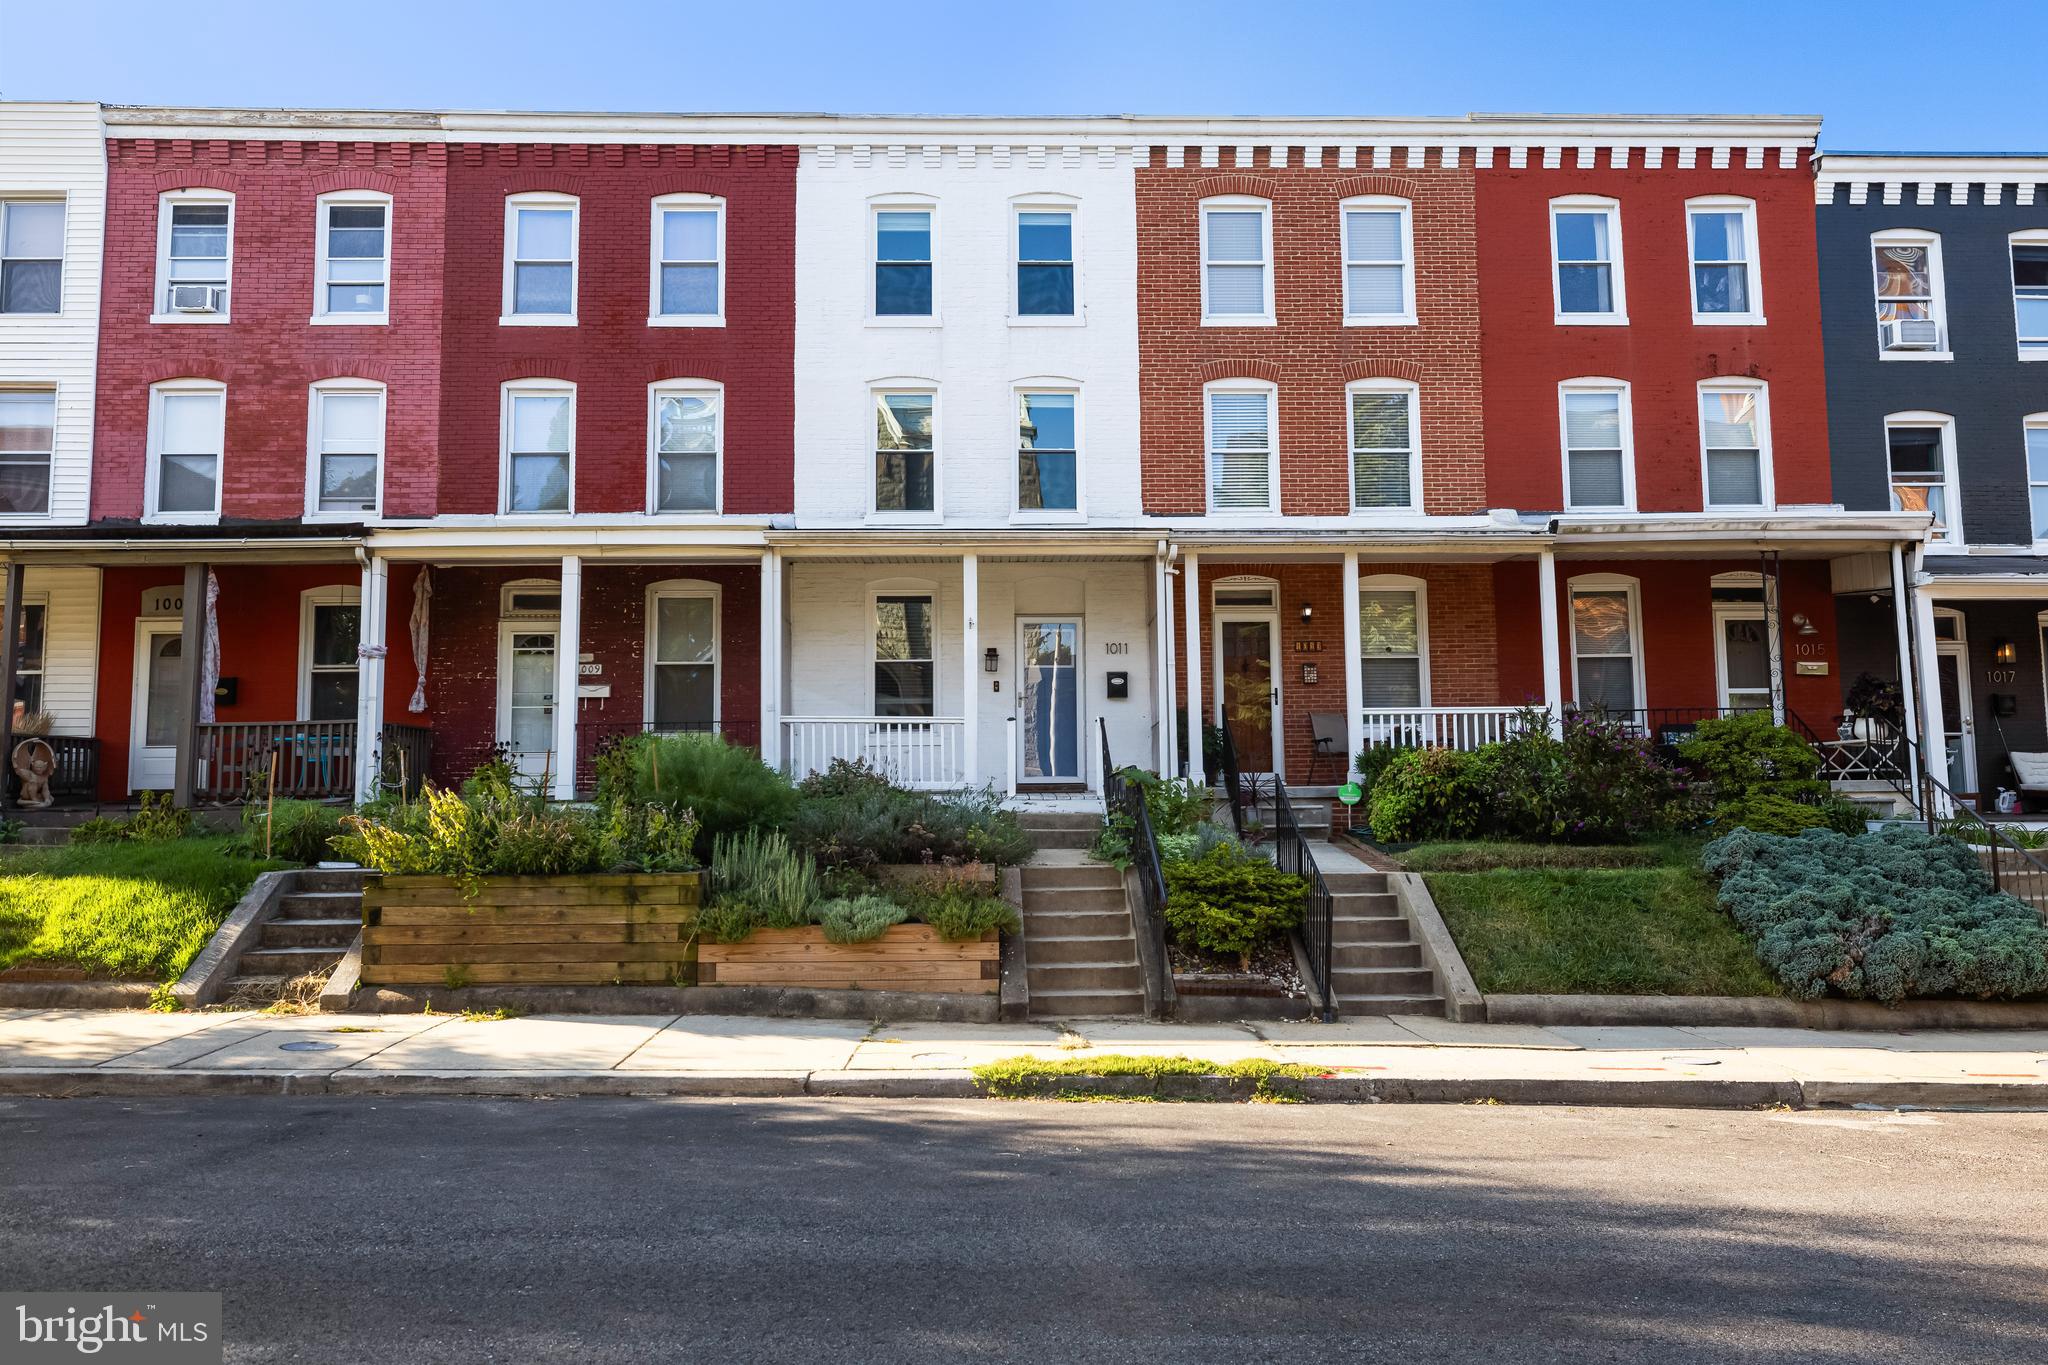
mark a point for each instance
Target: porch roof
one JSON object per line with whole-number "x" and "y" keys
{"x": 1984, "y": 577}
{"x": 1799, "y": 532}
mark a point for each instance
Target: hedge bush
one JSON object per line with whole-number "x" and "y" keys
{"x": 847, "y": 822}
{"x": 1231, "y": 900}
{"x": 727, "y": 786}
{"x": 1761, "y": 776}
{"x": 1890, "y": 915}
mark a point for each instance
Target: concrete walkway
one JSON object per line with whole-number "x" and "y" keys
{"x": 74, "y": 1052}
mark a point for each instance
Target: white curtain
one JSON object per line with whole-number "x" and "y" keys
{"x": 209, "y": 658}
{"x": 422, "y": 597}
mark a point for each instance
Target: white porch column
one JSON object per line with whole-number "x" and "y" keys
{"x": 1908, "y": 693}
{"x": 1934, "y": 741}
{"x": 771, "y": 658}
{"x": 1191, "y": 583}
{"x": 970, "y": 670}
{"x": 371, "y": 643}
{"x": 568, "y": 657}
{"x": 1546, "y": 620}
{"x": 1162, "y": 664}
{"x": 1354, "y": 685}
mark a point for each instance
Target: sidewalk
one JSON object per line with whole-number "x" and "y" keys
{"x": 123, "y": 1052}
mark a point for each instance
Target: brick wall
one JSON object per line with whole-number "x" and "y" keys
{"x": 1310, "y": 354}
{"x": 268, "y": 355}
{"x": 611, "y": 354}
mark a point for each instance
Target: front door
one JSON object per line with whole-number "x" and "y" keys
{"x": 526, "y": 698}
{"x": 1743, "y": 657}
{"x": 1247, "y": 671}
{"x": 159, "y": 697}
{"x": 1049, "y": 721}
{"x": 1958, "y": 732}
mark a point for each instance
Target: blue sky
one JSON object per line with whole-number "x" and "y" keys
{"x": 1959, "y": 75}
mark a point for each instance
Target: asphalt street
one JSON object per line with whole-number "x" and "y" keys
{"x": 429, "y": 1230}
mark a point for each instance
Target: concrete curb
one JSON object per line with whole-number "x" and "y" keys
{"x": 1762, "y": 1011}
{"x": 1700, "y": 1093}
{"x": 341, "y": 983}
{"x": 76, "y": 995}
{"x": 1462, "y": 1001}
{"x": 774, "y": 1002}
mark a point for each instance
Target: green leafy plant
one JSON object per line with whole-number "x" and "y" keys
{"x": 846, "y": 777}
{"x": 300, "y": 831}
{"x": 757, "y": 882}
{"x": 1372, "y": 762}
{"x": 1052, "y": 1077}
{"x": 649, "y": 838}
{"x": 1755, "y": 770}
{"x": 859, "y": 919}
{"x": 726, "y": 786}
{"x": 1231, "y": 900}
{"x": 1180, "y": 848}
{"x": 11, "y": 831}
{"x": 960, "y": 911}
{"x": 861, "y": 825}
{"x": 101, "y": 829}
{"x": 1428, "y": 794}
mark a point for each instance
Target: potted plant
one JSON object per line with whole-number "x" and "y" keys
{"x": 1872, "y": 706}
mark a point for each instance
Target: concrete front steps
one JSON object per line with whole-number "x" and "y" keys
{"x": 1060, "y": 829}
{"x": 1080, "y": 957}
{"x": 316, "y": 920}
{"x": 1376, "y": 964}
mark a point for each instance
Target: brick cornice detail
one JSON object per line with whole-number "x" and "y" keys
{"x": 363, "y": 178}
{"x": 196, "y": 178}
{"x": 1209, "y": 371}
{"x": 189, "y": 369}
{"x": 1258, "y": 186}
{"x": 1392, "y": 186}
{"x": 539, "y": 369}
{"x": 357, "y": 367}
{"x": 1356, "y": 370}
{"x": 705, "y": 368}
{"x": 539, "y": 180}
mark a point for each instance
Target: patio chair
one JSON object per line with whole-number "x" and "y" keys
{"x": 1331, "y": 737}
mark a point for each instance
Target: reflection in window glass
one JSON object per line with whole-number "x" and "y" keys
{"x": 1046, "y": 453}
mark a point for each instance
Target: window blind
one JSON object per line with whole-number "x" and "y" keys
{"x": 1240, "y": 449}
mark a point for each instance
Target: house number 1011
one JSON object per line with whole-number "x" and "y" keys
{"x": 1116, "y": 647}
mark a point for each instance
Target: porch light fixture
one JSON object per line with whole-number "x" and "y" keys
{"x": 2004, "y": 652}
{"x": 1805, "y": 624}
{"x": 990, "y": 660}
{"x": 1307, "y": 611}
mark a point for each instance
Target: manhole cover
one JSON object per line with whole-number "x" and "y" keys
{"x": 307, "y": 1046}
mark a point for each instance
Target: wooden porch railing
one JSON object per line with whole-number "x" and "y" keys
{"x": 315, "y": 760}
{"x": 921, "y": 752}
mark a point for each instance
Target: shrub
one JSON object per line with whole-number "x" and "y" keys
{"x": 101, "y": 829}
{"x": 960, "y": 911}
{"x": 299, "y": 831}
{"x": 758, "y": 882}
{"x": 1180, "y": 848}
{"x": 1428, "y": 794}
{"x": 859, "y": 919}
{"x": 650, "y": 838}
{"x": 1372, "y": 762}
{"x": 866, "y": 826}
{"x": 845, "y": 777}
{"x": 727, "y": 786}
{"x": 1176, "y": 808}
{"x": 1887, "y": 915}
{"x": 546, "y": 843}
{"x": 1753, "y": 769}
{"x": 1231, "y": 900}
{"x": 156, "y": 819}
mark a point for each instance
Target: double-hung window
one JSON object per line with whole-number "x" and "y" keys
{"x": 906, "y": 671}
{"x": 195, "y": 255}
{"x": 28, "y": 440}
{"x": 29, "y": 655}
{"x": 330, "y": 626}
{"x": 1598, "y": 471}
{"x": 1386, "y": 460}
{"x": 689, "y": 433}
{"x": 347, "y": 448}
{"x": 1048, "y": 451}
{"x": 904, "y": 267}
{"x": 689, "y": 261}
{"x": 683, "y": 658}
{"x": 1045, "y": 263}
{"x": 1917, "y": 454}
{"x": 541, "y": 232}
{"x": 31, "y": 255}
{"x": 906, "y": 454}
{"x": 187, "y": 435}
{"x": 1393, "y": 656}
{"x": 1242, "y": 446}
{"x": 1735, "y": 441}
{"x": 1379, "y": 253}
{"x": 1607, "y": 666}
{"x": 1906, "y": 273}
{"x": 1722, "y": 241}
{"x": 539, "y": 426}
{"x": 1237, "y": 262}
{"x": 2030, "y": 293}
{"x": 353, "y": 259}
{"x": 2037, "y": 473}
{"x": 1585, "y": 243}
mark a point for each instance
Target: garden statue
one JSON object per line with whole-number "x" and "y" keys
{"x": 33, "y": 762}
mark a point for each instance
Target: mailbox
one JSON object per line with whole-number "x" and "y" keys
{"x": 1119, "y": 686}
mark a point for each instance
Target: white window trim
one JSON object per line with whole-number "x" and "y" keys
{"x": 524, "y": 585}
{"x": 54, "y": 388}
{"x": 63, "y": 202}
{"x": 1272, "y": 392}
{"x": 526, "y": 388}
{"x": 1767, "y": 484}
{"x": 1611, "y": 208}
{"x": 1607, "y": 582}
{"x": 903, "y": 203}
{"x": 330, "y": 595}
{"x": 154, "y": 458}
{"x": 685, "y": 587}
{"x": 548, "y": 199}
{"x": 1374, "y": 203}
{"x": 1937, "y": 283}
{"x": 1414, "y": 395}
{"x": 907, "y": 384}
{"x": 316, "y": 393}
{"x": 159, "y": 308}
{"x": 1601, "y": 384}
{"x": 698, "y": 388}
{"x": 1727, "y": 203}
{"x": 1035, "y": 515}
{"x": 2026, "y": 237}
{"x": 1239, "y": 202}
{"x": 1045, "y": 203}
{"x": 321, "y": 317}
{"x": 907, "y": 587}
{"x": 701, "y": 203}
{"x": 1951, "y": 537}
{"x": 1724, "y": 612}
{"x": 2033, "y": 421}
{"x": 1395, "y": 582}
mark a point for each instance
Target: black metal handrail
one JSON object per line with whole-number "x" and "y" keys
{"x": 1121, "y": 797}
{"x": 2016, "y": 871}
{"x": 1233, "y": 782}
{"x": 1291, "y": 854}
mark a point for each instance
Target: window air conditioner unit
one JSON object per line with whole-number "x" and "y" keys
{"x": 196, "y": 298}
{"x": 1911, "y": 334}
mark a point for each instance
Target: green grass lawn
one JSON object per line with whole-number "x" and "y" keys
{"x": 1546, "y": 919}
{"x": 138, "y": 911}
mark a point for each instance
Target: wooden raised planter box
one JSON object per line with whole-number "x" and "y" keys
{"x": 907, "y": 957}
{"x": 588, "y": 930}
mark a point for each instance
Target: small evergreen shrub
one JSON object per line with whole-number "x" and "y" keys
{"x": 846, "y": 777}
{"x": 758, "y": 882}
{"x": 1231, "y": 900}
{"x": 1755, "y": 769}
{"x": 727, "y": 786}
{"x": 960, "y": 911}
{"x": 1890, "y": 915}
{"x": 861, "y": 826}
{"x": 859, "y": 919}
{"x": 1428, "y": 794}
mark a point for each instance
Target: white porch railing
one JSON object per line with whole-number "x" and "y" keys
{"x": 912, "y": 753}
{"x": 1439, "y": 727}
